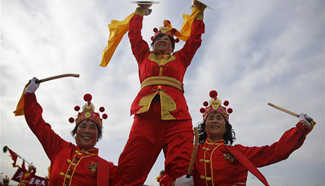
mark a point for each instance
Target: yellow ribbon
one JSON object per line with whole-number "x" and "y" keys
{"x": 185, "y": 31}
{"x": 20, "y": 105}
{"x": 117, "y": 29}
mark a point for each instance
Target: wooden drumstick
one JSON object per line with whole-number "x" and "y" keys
{"x": 284, "y": 110}
{"x": 309, "y": 119}
{"x": 57, "y": 77}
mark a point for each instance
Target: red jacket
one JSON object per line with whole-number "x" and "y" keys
{"x": 69, "y": 164}
{"x": 170, "y": 68}
{"x": 213, "y": 168}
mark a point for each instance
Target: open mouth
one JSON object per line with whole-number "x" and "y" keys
{"x": 86, "y": 138}
{"x": 161, "y": 43}
{"x": 214, "y": 126}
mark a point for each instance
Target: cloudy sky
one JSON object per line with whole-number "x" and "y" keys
{"x": 253, "y": 52}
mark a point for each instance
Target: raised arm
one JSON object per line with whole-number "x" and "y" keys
{"x": 291, "y": 140}
{"x": 50, "y": 141}
{"x": 139, "y": 47}
{"x": 194, "y": 41}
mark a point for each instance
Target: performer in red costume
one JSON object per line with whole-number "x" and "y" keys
{"x": 27, "y": 175}
{"x": 71, "y": 164}
{"x": 221, "y": 164}
{"x": 162, "y": 119}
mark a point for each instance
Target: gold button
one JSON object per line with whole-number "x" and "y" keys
{"x": 208, "y": 178}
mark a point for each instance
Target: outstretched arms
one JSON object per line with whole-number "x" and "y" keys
{"x": 291, "y": 140}
{"x": 50, "y": 141}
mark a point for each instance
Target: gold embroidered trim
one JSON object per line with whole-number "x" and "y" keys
{"x": 162, "y": 80}
{"x": 74, "y": 165}
{"x": 205, "y": 148}
{"x": 205, "y": 161}
{"x": 166, "y": 102}
{"x": 161, "y": 59}
{"x": 215, "y": 143}
{"x": 211, "y": 168}
{"x": 145, "y": 103}
{"x": 167, "y": 105}
{"x": 205, "y": 168}
{"x": 206, "y": 178}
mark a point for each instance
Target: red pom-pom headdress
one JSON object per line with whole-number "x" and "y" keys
{"x": 88, "y": 112}
{"x": 166, "y": 29}
{"x": 215, "y": 104}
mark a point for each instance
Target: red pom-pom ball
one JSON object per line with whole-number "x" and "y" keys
{"x": 104, "y": 116}
{"x": 226, "y": 103}
{"x": 77, "y": 108}
{"x": 101, "y": 109}
{"x": 213, "y": 94}
{"x": 155, "y": 30}
{"x": 229, "y": 110}
{"x": 176, "y": 40}
{"x": 71, "y": 120}
{"x": 205, "y": 103}
{"x": 202, "y": 110}
{"x": 87, "y": 97}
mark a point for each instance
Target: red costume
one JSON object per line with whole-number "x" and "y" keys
{"x": 69, "y": 164}
{"x": 218, "y": 164}
{"x": 213, "y": 168}
{"x": 162, "y": 119}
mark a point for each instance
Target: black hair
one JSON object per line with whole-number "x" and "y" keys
{"x": 229, "y": 136}
{"x": 172, "y": 40}
{"x": 100, "y": 131}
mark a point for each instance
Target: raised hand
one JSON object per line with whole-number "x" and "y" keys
{"x": 32, "y": 85}
{"x": 306, "y": 120}
{"x": 144, "y": 6}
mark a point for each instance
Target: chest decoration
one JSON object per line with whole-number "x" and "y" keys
{"x": 229, "y": 157}
{"x": 161, "y": 60}
{"x": 93, "y": 167}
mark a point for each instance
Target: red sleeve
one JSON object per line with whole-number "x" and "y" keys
{"x": 291, "y": 140}
{"x": 139, "y": 47}
{"x": 106, "y": 173}
{"x": 193, "y": 42}
{"x": 50, "y": 141}
{"x": 113, "y": 174}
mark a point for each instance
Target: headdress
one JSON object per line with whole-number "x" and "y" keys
{"x": 88, "y": 112}
{"x": 215, "y": 104}
{"x": 166, "y": 29}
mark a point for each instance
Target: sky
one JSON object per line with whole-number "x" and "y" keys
{"x": 253, "y": 52}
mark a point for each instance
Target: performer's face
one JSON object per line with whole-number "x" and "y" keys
{"x": 163, "y": 45}
{"x": 215, "y": 125}
{"x": 87, "y": 134}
